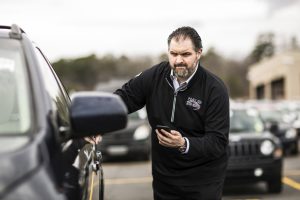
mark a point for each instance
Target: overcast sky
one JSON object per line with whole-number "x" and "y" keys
{"x": 70, "y": 28}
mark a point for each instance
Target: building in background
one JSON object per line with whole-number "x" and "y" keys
{"x": 276, "y": 78}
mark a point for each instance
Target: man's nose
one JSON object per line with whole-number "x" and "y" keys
{"x": 179, "y": 59}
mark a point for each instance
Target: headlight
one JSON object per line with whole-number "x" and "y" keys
{"x": 296, "y": 124}
{"x": 291, "y": 133}
{"x": 267, "y": 147}
{"x": 141, "y": 133}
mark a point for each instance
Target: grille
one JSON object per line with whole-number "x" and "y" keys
{"x": 245, "y": 153}
{"x": 244, "y": 149}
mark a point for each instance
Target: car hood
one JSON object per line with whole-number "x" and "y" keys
{"x": 131, "y": 126}
{"x": 233, "y": 137}
{"x": 9, "y": 144}
{"x": 16, "y": 164}
{"x": 282, "y": 126}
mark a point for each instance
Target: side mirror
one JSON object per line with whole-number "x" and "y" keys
{"x": 95, "y": 113}
{"x": 273, "y": 127}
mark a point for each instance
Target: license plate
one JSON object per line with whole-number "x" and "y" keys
{"x": 117, "y": 150}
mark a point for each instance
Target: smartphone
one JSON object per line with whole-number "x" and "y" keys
{"x": 166, "y": 128}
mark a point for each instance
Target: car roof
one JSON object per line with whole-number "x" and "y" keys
{"x": 4, "y": 33}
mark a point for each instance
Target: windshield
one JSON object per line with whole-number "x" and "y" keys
{"x": 14, "y": 106}
{"x": 271, "y": 115}
{"x": 134, "y": 116}
{"x": 245, "y": 121}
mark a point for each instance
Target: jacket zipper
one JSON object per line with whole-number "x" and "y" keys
{"x": 173, "y": 108}
{"x": 181, "y": 88}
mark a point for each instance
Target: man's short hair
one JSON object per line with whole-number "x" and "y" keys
{"x": 184, "y": 32}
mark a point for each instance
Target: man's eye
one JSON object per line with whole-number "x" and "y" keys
{"x": 186, "y": 54}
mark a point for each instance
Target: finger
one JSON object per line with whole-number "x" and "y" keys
{"x": 88, "y": 139}
{"x": 165, "y": 132}
{"x": 173, "y": 132}
{"x": 160, "y": 134}
{"x": 163, "y": 143}
{"x": 98, "y": 139}
{"x": 162, "y": 139}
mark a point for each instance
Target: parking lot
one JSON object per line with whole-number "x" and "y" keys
{"x": 131, "y": 180}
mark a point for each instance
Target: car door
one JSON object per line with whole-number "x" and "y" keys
{"x": 77, "y": 155}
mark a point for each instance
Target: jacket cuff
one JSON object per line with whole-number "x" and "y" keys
{"x": 187, "y": 145}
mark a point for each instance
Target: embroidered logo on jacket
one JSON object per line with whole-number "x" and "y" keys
{"x": 194, "y": 103}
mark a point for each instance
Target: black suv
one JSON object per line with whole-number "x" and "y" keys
{"x": 134, "y": 141}
{"x": 42, "y": 151}
{"x": 254, "y": 153}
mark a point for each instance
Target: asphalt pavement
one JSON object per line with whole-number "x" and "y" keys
{"x": 131, "y": 180}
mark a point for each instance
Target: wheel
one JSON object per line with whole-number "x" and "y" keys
{"x": 295, "y": 150}
{"x": 101, "y": 184}
{"x": 145, "y": 156}
{"x": 275, "y": 186}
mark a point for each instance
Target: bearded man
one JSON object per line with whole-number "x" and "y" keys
{"x": 188, "y": 110}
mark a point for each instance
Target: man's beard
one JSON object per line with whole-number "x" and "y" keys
{"x": 183, "y": 72}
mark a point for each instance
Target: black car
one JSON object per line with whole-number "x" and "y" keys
{"x": 42, "y": 151}
{"x": 255, "y": 154}
{"x": 134, "y": 141}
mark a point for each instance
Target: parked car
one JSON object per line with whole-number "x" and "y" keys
{"x": 134, "y": 141}
{"x": 296, "y": 124}
{"x": 283, "y": 130}
{"x": 255, "y": 154}
{"x": 276, "y": 121}
{"x": 42, "y": 151}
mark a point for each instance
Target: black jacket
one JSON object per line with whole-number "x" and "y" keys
{"x": 200, "y": 113}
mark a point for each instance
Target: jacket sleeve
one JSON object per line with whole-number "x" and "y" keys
{"x": 215, "y": 140}
{"x": 135, "y": 91}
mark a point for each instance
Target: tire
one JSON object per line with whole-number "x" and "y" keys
{"x": 144, "y": 156}
{"x": 275, "y": 186}
{"x": 101, "y": 184}
{"x": 147, "y": 157}
{"x": 295, "y": 150}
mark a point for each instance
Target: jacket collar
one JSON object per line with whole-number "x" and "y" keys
{"x": 174, "y": 78}
{"x": 196, "y": 76}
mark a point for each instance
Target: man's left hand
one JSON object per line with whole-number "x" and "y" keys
{"x": 171, "y": 139}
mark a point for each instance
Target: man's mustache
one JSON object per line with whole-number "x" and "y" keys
{"x": 180, "y": 65}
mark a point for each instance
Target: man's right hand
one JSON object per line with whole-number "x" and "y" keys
{"x": 93, "y": 139}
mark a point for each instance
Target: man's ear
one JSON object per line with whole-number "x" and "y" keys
{"x": 199, "y": 53}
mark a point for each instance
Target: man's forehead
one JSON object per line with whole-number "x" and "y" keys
{"x": 181, "y": 44}
{"x": 181, "y": 38}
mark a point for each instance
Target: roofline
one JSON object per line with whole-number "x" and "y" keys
{"x": 9, "y": 28}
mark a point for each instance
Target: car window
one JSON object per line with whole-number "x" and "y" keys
{"x": 15, "y": 99}
{"x": 138, "y": 115}
{"x": 271, "y": 115}
{"x": 245, "y": 121}
{"x": 134, "y": 116}
{"x": 55, "y": 90}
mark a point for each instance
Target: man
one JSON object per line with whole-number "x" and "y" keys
{"x": 189, "y": 161}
